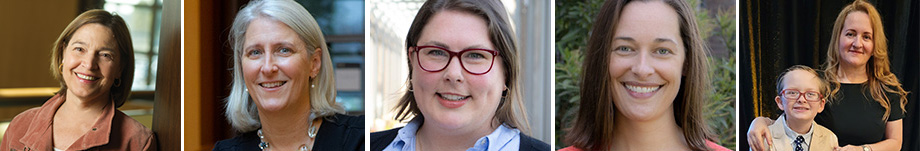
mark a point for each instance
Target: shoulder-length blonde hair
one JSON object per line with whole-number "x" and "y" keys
{"x": 125, "y": 57}
{"x": 593, "y": 124}
{"x": 241, "y": 110}
{"x": 510, "y": 110}
{"x": 881, "y": 80}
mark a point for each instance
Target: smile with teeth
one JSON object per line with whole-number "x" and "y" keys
{"x": 85, "y": 77}
{"x": 272, "y": 84}
{"x": 800, "y": 108}
{"x": 451, "y": 97}
{"x": 642, "y": 89}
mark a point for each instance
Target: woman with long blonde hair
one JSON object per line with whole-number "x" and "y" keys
{"x": 868, "y": 99}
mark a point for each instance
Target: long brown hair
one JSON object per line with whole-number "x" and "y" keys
{"x": 119, "y": 93}
{"x": 593, "y": 125}
{"x": 510, "y": 110}
{"x": 881, "y": 80}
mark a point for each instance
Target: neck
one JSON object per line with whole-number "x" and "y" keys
{"x": 661, "y": 133}
{"x": 286, "y": 129}
{"x": 847, "y": 73}
{"x": 431, "y": 137}
{"x": 798, "y": 126}
{"x": 84, "y": 109}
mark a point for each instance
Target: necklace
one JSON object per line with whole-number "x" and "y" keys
{"x": 311, "y": 132}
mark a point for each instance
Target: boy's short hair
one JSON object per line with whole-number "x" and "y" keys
{"x": 823, "y": 88}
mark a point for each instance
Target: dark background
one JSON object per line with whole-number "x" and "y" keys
{"x": 778, "y": 34}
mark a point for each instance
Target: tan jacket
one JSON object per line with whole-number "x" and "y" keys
{"x": 821, "y": 140}
{"x": 31, "y": 130}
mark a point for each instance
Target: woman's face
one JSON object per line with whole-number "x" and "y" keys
{"x": 90, "y": 62}
{"x": 856, "y": 42}
{"x": 646, "y": 61}
{"x": 277, "y": 66}
{"x": 454, "y": 98}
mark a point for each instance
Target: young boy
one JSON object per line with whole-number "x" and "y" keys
{"x": 801, "y": 97}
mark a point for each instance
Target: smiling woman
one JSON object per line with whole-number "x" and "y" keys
{"x": 464, "y": 82}
{"x": 645, "y": 80}
{"x": 88, "y": 60}
{"x": 283, "y": 91}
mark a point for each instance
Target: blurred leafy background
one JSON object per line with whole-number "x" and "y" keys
{"x": 574, "y": 19}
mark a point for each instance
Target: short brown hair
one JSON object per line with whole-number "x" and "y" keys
{"x": 824, "y": 88}
{"x": 125, "y": 49}
{"x": 511, "y": 109}
{"x": 593, "y": 123}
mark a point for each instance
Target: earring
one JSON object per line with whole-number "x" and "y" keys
{"x": 117, "y": 82}
{"x": 410, "y": 84}
{"x": 312, "y": 86}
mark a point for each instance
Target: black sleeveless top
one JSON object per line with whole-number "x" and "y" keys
{"x": 382, "y": 139}
{"x": 337, "y": 133}
{"x": 856, "y": 118}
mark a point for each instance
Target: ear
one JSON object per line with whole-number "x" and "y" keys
{"x": 820, "y": 106}
{"x": 409, "y": 53}
{"x": 317, "y": 60}
{"x": 779, "y": 103}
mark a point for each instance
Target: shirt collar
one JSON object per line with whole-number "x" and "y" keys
{"x": 40, "y": 130}
{"x": 500, "y": 137}
{"x": 792, "y": 134}
{"x": 405, "y": 137}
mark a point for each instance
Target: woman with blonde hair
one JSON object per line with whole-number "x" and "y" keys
{"x": 283, "y": 91}
{"x": 93, "y": 59}
{"x": 464, "y": 89}
{"x": 645, "y": 80}
{"x": 868, "y": 99}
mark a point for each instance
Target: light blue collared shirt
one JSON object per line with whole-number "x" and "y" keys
{"x": 792, "y": 135}
{"x": 502, "y": 138}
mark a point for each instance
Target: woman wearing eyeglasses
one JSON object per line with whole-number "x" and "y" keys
{"x": 464, "y": 90}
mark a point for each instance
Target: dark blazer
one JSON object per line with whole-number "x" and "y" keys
{"x": 337, "y": 133}
{"x": 380, "y": 140}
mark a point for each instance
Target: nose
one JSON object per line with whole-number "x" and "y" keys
{"x": 857, "y": 44}
{"x": 454, "y": 71}
{"x": 268, "y": 65}
{"x": 89, "y": 61}
{"x": 642, "y": 69}
{"x": 801, "y": 99}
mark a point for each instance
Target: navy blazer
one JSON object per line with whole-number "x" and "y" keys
{"x": 380, "y": 140}
{"x": 337, "y": 133}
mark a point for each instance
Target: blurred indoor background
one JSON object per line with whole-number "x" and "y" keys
{"x": 389, "y": 24}
{"x": 207, "y": 61}
{"x": 31, "y": 27}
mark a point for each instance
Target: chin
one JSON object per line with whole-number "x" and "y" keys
{"x": 447, "y": 121}
{"x": 272, "y": 104}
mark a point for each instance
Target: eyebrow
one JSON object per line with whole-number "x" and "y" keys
{"x": 443, "y": 45}
{"x": 103, "y": 48}
{"x": 657, "y": 40}
{"x": 854, "y": 30}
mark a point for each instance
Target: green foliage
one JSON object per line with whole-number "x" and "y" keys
{"x": 574, "y": 19}
{"x": 573, "y": 23}
{"x": 721, "y": 117}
